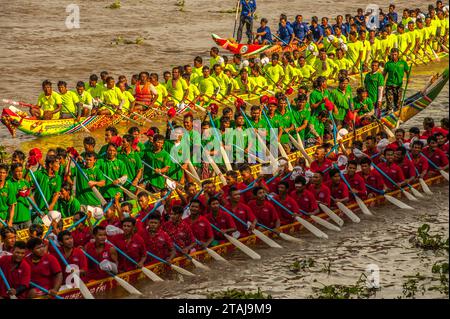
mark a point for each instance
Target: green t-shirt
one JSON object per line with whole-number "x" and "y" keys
{"x": 283, "y": 121}
{"x": 395, "y": 72}
{"x": 315, "y": 97}
{"x": 49, "y": 186}
{"x": 68, "y": 208}
{"x": 372, "y": 82}
{"x": 96, "y": 91}
{"x": 22, "y": 211}
{"x": 342, "y": 102}
{"x": 156, "y": 160}
{"x": 85, "y": 195}
{"x": 7, "y": 198}
{"x": 114, "y": 169}
{"x": 300, "y": 117}
{"x": 133, "y": 163}
{"x": 363, "y": 107}
{"x": 319, "y": 127}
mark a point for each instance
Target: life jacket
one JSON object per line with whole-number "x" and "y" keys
{"x": 143, "y": 95}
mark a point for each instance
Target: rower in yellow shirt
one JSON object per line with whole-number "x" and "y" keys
{"x": 261, "y": 84}
{"x": 403, "y": 42}
{"x": 233, "y": 83}
{"x": 197, "y": 69}
{"x": 384, "y": 46}
{"x": 354, "y": 52}
{"x": 193, "y": 92}
{"x": 129, "y": 99}
{"x": 245, "y": 83}
{"x": 85, "y": 97}
{"x": 342, "y": 63}
{"x": 312, "y": 50}
{"x": 325, "y": 67}
{"x": 422, "y": 53}
{"x": 413, "y": 38}
{"x": 215, "y": 58}
{"x": 207, "y": 85}
{"x": 306, "y": 71}
{"x": 290, "y": 76}
{"x": 274, "y": 73}
{"x": 70, "y": 102}
{"x": 366, "y": 48}
{"x": 222, "y": 80}
{"x": 160, "y": 88}
{"x": 94, "y": 88}
{"x": 49, "y": 103}
{"x": 177, "y": 88}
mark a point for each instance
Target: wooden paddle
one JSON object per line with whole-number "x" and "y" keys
{"x": 212, "y": 253}
{"x": 194, "y": 261}
{"x": 179, "y": 270}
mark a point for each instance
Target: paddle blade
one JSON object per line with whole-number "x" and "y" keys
{"x": 325, "y": 223}
{"x": 347, "y": 211}
{"x": 12, "y": 297}
{"x": 266, "y": 239}
{"x": 182, "y": 271}
{"x": 215, "y": 255}
{"x": 246, "y": 250}
{"x": 425, "y": 187}
{"x": 83, "y": 288}
{"x": 363, "y": 206}
{"x": 397, "y": 202}
{"x": 199, "y": 264}
{"x": 313, "y": 229}
{"x": 409, "y": 196}
{"x": 150, "y": 274}
{"x": 99, "y": 196}
{"x": 331, "y": 214}
{"x": 125, "y": 285}
{"x": 130, "y": 194}
{"x": 290, "y": 238}
{"x": 444, "y": 174}
{"x": 416, "y": 193}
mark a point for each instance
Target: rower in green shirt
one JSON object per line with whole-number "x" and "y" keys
{"x": 316, "y": 129}
{"x": 374, "y": 84}
{"x": 7, "y": 196}
{"x": 395, "y": 69}
{"x": 301, "y": 115}
{"x": 158, "y": 161}
{"x": 65, "y": 202}
{"x": 21, "y": 190}
{"x": 110, "y": 132}
{"x": 318, "y": 95}
{"x": 49, "y": 181}
{"x": 284, "y": 122}
{"x": 363, "y": 104}
{"x": 115, "y": 169}
{"x": 341, "y": 97}
{"x": 132, "y": 161}
{"x": 85, "y": 195}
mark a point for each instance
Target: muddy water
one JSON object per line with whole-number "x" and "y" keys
{"x": 35, "y": 45}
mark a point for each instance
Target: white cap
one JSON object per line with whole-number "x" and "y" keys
{"x": 358, "y": 153}
{"x": 245, "y": 63}
{"x": 46, "y": 220}
{"x": 382, "y": 144}
{"x": 330, "y": 37}
{"x": 97, "y": 212}
{"x": 112, "y": 230}
{"x": 342, "y": 132}
{"x": 171, "y": 184}
{"x": 342, "y": 160}
{"x": 55, "y": 215}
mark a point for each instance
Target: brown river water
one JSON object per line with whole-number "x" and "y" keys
{"x": 35, "y": 45}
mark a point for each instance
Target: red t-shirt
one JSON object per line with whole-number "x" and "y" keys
{"x": 408, "y": 168}
{"x": 16, "y": 276}
{"x": 371, "y": 153}
{"x": 201, "y": 228}
{"x": 357, "y": 182}
{"x": 393, "y": 171}
{"x": 338, "y": 191}
{"x": 44, "y": 271}
{"x": 239, "y": 186}
{"x": 77, "y": 257}
{"x": 321, "y": 194}
{"x": 81, "y": 237}
{"x": 289, "y": 203}
{"x": 444, "y": 148}
{"x": 94, "y": 271}
{"x": 245, "y": 213}
{"x": 159, "y": 244}
{"x": 305, "y": 201}
{"x": 420, "y": 163}
{"x": 434, "y": 130}
{"x": 315, "y": 167}
{"x": 114, "y": 222}
{"x": 134, "y": 248}
{"x": 374, "y": 179}
{"x": 265, "y": 213}
{"x": 438, "y": 157}
{"x": 221, "y": 221}
{"x": 181, "y": 233}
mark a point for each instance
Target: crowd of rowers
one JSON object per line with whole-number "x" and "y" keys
{"x": 194, "y": 219}
{"x": 331, "y": 52}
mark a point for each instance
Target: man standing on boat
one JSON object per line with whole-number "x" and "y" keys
{"x": 248, "y": 9}
{"x": 395, "y": 69}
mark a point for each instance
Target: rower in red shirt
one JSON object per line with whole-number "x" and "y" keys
{"x": 303, "y": 197}
{"x": 372, "y": 178}
{"x": 45, "y": 269}
{"x": 232, "y": 177}
{"x": 338, "y": 189}
{"x": 201, "y": 228}
{"x": 321, "y": 163}
{"x": 179, "y": 232}
{"x": 391, "y": 169}
{"x": 320, "y": 191}
{"x": 247, "y": 179}
{"x": 287, "y": 201}
{"x": 263, "y": 209}
{"x": 371, "y": 149}
{"x": 356, "y": 181}
{"x": 144, "y": 203}
{"x": 157, "y": 241}
{"x": 418, "y": 160}
{"x": 209, "y": 190}
{"x": 190, "y": 190}
{"x": 17, "y": 272}
{"x": 242, "y": 211}
{"x": 431, "y": 129}
{"x": 407, "y": 166}
{"x": 436, "y": 155}
{"x": 100, "y": 250}
{"x": 399, "y": 139}
{"x": 220, "y": 219}
{"x": 282, "y": 175}
{"x": 72, "y": 254}
{"x": 131, "y": 244}
{"x": 110, "y": 217}
{"x": 82, "y": 233}
{"x": 442, "y": 142}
